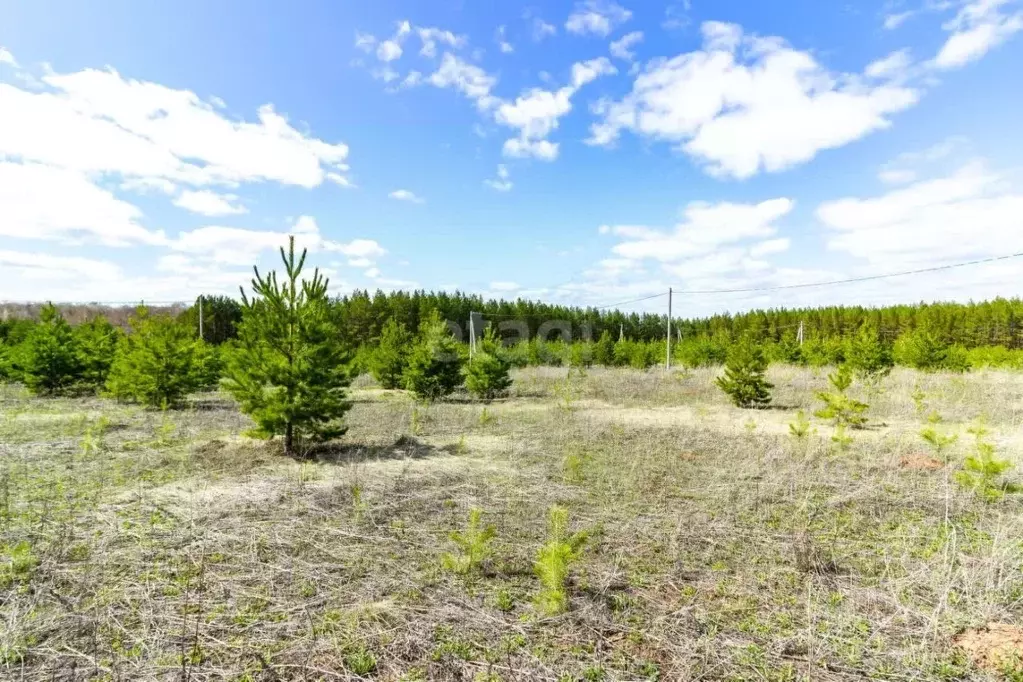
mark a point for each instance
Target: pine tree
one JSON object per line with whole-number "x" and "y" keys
{"x": 838, "y": 406}
{"x": 48, "y": 359}
{"x": 388, "y": 360}
{"x": 743, "y": 379}
{"x": 96, "y": 343}
{"x": 486, "y": 375}
{"x": 289, "y": 372}
{"x": 604, "y": 350}
{"x": 155, "y": 362}
{"x": 868, "y": 356}
{"x": 435, "y": 366}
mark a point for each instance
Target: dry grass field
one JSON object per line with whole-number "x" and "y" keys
{"x": 140, "y": 545}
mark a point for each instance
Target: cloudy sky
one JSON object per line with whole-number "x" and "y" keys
{"x": 583, "y": 152}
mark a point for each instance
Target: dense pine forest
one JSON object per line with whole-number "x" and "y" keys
{"x": 925, "y": 335}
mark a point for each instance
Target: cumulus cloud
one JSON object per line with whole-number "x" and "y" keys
{"x": 622, "y": 49}
{"x": 502, "y": 183}
{"x": 502, "y": 41}
{"x": 431, "y": 36}
{"x": 596, "y": 17}
{"x": 536, "y": 112}
{"x": 209, "y": 203}
{"x": 978, "y": 27}
{"x": 972, "y": 212}
{"x": 541, "y": 29}
{"x": 6, "y": 57}
{"x": 469, "y": 79}
{"x": 895, "y": 65}
{"x": 98, "y": 122}
{"x": 240, "y": 246}
{"x": 58, "y": 204}
{"x": 745, "y": 104}
{"x": 406, "y": 195}
{"x": 705, "y": 228}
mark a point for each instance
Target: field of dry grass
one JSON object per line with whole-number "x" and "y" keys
{"x": 143, "y": 545}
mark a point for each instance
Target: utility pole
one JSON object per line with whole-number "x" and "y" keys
{"x": 667, "y": 359}
{"x": 472, "y": 336}
{"x": 799, "y": 335}
{"x": 621, "y": 331}
{"x": 201, "y": 337}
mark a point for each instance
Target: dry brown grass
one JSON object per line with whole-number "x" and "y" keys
{"x": 720, "y": 547}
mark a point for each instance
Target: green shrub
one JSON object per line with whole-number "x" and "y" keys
{"x": 435, "y": 365}
{"x": 486, "y": 375}
{"x": 867, "y": 356}
{"x": 208, "y": 365}
{"x": 701, "y": 352}
{"x": 580, "y": 354}
{"x": 290, "y": 370}
{"x": 155, "y": 362}
{"x": 604, "y": 350}
{"x": 389, "y": 359}
{"x": 554, "y": 561}
{"x": 919, "y": 349}
{"x": 823, "y": 352}
{"x": 96, "y": 342}
{"x": 744, "y": 378}
{"x": 50, "y": 363}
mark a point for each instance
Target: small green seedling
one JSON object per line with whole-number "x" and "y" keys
{"x": 473, "y": 545}
{"x": 554, "y": 561}
{"x": 799, "y": 428}
{"x": 938, "y": 441}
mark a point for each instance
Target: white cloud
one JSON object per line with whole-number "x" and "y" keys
{"x": 622, "y": 49}
{"x": 596, "y": 17}
{"x": 432, "y": 36}
{"x": 365, "y": 41}
{"x": 505, "y": 286}
{"x": 239, "y": 246}
{"x": 502, "y": 42}
{"x": 894, "y": 65}
{"x": 503, "y": 181}
{"x": 469, "y": 79}
{"x": 676, "y": 16}
{"x": 406, "y": 195}
{"x": 978, "y": 27}
{"x": 518, "y": 148}
{"x": 372, "y": 273}
{"x": 766, "y": 108}
{"x": 541, "y": 29}
{"x": 973, "y": 212}
{"x": 536, "y": 112}
{"x": 896, "y": 176}
{"x": 388, "y": 51}
{"x": 209, "y": 203}
{"x": 896, "y": 19}
{"x": 6, "y": 57}
{"x": 906, "y": 167}
{"x": 56, "y": 204}
{"x": 706, "y": 227}
{"x": 98, "y": 122}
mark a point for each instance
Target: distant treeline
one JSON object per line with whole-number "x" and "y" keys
{"x": 361, "y": 316}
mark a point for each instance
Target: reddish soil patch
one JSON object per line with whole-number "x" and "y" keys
{"x": 920, "y": 462}
{"x": 995, "y": 647}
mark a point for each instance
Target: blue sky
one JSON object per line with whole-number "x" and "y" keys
{"x": 579, "y": 152}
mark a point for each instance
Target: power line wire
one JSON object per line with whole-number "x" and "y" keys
{"x": 850, "y": 280}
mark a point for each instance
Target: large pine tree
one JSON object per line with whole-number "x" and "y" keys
{"x": 290, "y": 371}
